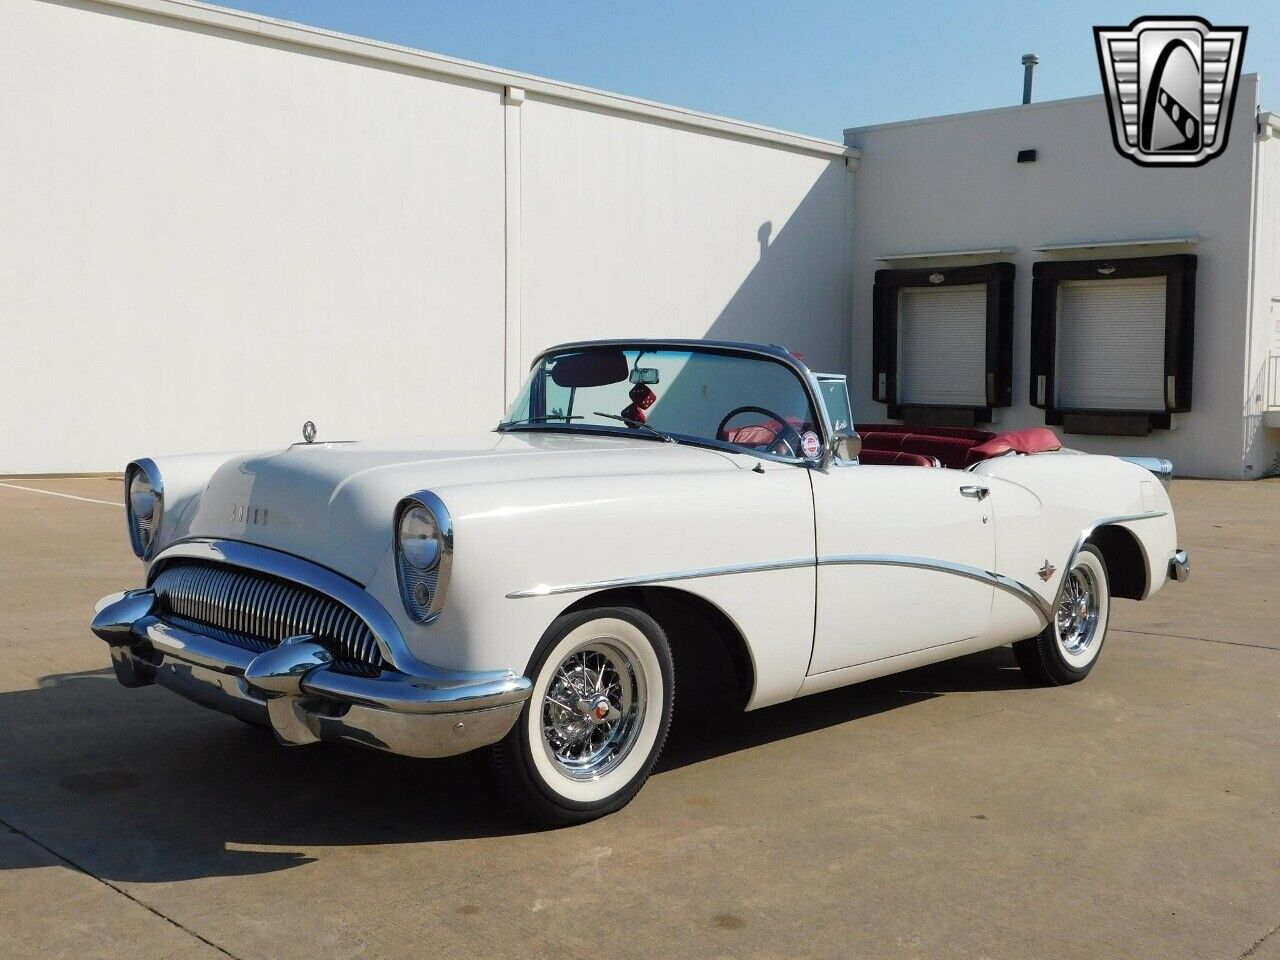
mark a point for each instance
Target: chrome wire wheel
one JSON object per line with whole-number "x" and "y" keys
{"x": 593, "y": 709}
{"x": 1078, "y": 612}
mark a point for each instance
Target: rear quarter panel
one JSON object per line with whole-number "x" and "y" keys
{"x": 1044, "y": 504}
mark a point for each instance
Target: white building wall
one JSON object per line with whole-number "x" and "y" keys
{"x": 1262, "y": 362}
{"x": 953, "y": 183}
{"x": 633, "y": 229}
{"x": 214, "y": 227}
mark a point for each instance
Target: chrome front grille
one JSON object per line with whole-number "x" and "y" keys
{"x": 256, "y": 611}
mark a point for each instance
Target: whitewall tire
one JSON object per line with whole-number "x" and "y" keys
{"x": 1070, "y": 645}
{"x": 596, "y": 720}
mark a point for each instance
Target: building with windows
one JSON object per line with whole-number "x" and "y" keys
{"x": 1011, "y": 268}
{"x": 218, "y": 226}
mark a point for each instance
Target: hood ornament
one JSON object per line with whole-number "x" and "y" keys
{"x": 309, "y": 432}
{"x": 1046, "y": 572}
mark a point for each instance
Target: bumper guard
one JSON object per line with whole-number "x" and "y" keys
{"x": 294, "y": 688}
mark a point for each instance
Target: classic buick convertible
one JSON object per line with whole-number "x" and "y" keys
{"x": 650, "y": 517}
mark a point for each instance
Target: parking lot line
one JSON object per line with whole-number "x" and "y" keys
{"x": 54, "y": 493}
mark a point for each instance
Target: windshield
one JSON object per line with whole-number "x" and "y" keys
{"x": 751, "y": 402}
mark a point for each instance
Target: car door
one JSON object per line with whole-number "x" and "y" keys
{"x": 902, "y": 557}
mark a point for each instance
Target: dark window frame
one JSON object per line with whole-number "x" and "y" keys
{"x": 1179, "y": 271}
{"x": 998, "y": 385}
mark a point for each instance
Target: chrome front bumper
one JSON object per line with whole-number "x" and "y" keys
{"x": 294, "y": 688}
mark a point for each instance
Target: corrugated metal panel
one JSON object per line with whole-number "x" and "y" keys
{"x": 942, "y": 335}
{"x": 1110, "y": 352}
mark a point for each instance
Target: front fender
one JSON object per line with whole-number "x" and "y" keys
{"x": 525, "y": 550}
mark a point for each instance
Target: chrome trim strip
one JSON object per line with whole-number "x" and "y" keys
{"x": 1043, "y": 608}
{"x": 547, "y": 590}
{"x": 997, "y": 580}
{"x": 1088, "y": 531}
{"x": 1162, "y": 468}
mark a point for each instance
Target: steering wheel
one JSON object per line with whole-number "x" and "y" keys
{"x": 786, "y": 438}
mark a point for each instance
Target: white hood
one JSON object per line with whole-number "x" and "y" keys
{"x": 333, "y": 503}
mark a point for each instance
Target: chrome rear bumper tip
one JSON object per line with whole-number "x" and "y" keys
{"x": 1180, "y": 567}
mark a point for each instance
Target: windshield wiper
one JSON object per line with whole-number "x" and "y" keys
{"x": 516, "y": 423}
{"x": 637, "y": 424}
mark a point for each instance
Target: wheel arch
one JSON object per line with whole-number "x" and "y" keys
{"x": 1128, "y": 571}
{"x": 705, "y": 642}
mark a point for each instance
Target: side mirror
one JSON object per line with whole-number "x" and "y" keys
{"x": 844, "y": 446}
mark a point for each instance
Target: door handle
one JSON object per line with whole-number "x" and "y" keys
{"x": 979, "y": 493}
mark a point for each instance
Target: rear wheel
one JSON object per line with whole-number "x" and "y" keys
{"x": 596, "y": 720}
{"x": 1069, "y": 646}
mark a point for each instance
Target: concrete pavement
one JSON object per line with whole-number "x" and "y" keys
{"x": 948, "y": 812}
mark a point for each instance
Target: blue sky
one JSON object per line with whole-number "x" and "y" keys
{"x": 814, "y": 66}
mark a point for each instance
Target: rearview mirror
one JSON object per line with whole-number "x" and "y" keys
{"x": 645, "y": 375}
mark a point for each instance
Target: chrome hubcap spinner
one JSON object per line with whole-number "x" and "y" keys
{"x": 592, "y": 710}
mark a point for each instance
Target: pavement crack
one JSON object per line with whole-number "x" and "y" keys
{"x": 120, "y": 890}
{"x": 1259, "y": 942}
{"x": 1178, "y": 636}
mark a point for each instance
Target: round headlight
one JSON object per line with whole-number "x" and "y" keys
{"x": 144, "y": 506}
{"x": 419, "y": 538}
{"x": 142, "y": 497}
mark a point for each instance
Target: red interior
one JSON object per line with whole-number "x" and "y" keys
{"x": 756, "y": 434}
{"x": 894, "y": 444}
{"x": 895, "y": 458}
{"x": 952, "y": 446}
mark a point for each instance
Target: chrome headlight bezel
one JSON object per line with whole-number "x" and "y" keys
{"x": 144, "y": 531}
{"x": 424, "y": 584}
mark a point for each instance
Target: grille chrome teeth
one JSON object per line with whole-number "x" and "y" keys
{"x": 264, "y": 609}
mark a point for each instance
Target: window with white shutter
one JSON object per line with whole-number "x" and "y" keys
{"x": 1110, "y": 353}
{"x": 942, "y": 353}
{"x": 1112, "y": 342}
{"x": 942, "y": 343}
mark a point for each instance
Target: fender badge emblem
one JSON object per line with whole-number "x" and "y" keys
{"x": 1047, "y": 571}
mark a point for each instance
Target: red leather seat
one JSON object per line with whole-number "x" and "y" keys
{"x": 1030, "y": 440}
{"x": 895, "y": 458}
{"x": 950, "y": 450}
{"x": 756, "y": 434}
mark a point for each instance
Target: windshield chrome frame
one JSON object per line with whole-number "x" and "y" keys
{"x": 770, "y": 352}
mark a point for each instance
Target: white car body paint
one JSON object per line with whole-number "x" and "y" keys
{"x": 552, "y": 518}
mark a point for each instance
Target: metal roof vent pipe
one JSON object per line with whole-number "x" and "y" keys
{"x": 1029, "y": 61}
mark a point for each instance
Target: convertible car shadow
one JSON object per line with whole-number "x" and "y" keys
{"x": 141, "y": 786}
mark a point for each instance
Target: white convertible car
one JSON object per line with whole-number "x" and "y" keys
{"x": 651, "y": 517}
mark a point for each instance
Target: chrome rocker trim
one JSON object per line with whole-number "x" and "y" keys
{"x": 1008, "y": 584}
{"x": 293, "y": 687}
{"x": 548, "y": 590}
{"x": 998, "y": 580}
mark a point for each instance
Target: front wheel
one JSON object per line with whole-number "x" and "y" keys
{"x": 596, "y": 720}
{"x": 1069, "y": 646}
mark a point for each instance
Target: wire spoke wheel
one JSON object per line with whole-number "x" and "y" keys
{"x": 1078, "y": 611}
{"x": 1070, "y": 644}
{"x": 593, "y": 709}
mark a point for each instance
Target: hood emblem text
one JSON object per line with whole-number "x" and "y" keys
{"x": 249, "y": 516}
